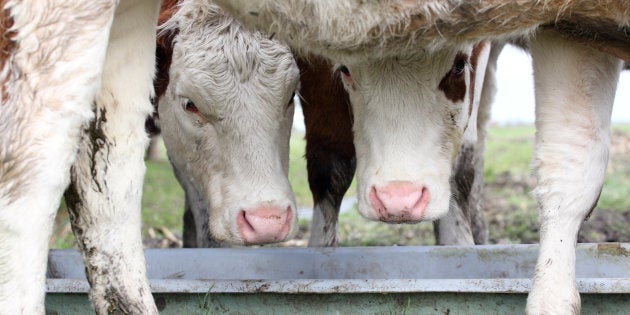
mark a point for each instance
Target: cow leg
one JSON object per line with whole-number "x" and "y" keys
{"x": 49, "y": 74}
{"x": 575, "y": 88}
{"x": 104, "y": 198}
{"x": 330, "y": 155}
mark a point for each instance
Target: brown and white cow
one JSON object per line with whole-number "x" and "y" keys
{"x": 394, "y": 197}
{"x": 387, "y": 47}
{"x": 225, "y": 102}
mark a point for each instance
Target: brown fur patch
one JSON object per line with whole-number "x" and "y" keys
{"x": 327, "y": 111}
{"x": 7, "y": 44}
{"x": 454, "y": 85}
{"x": 163, "y": 59}
{"x": 164, "y": 48}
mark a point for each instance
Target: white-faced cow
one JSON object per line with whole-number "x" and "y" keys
{"x": 331, "y": 161}
{"x": 226, "y": 110}
{"x": 408, "y": 125}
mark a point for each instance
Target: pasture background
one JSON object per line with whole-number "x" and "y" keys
{"x": 511, "y": 212}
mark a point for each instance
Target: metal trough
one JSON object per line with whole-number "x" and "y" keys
{"x": 490, "y": 279}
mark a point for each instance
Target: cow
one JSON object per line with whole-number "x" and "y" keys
{"x": 225, "y": 108}
{"x": 380, "y": 47}
{"x": 331, "y": 159}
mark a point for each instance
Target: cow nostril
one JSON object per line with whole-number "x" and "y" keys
{"x": 265, "y": 224}
{"x": 242, "y": 220}
{"x": 399, "y": 201}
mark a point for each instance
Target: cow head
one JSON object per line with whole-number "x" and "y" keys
{"x": 226, "y": 116}
{"x": 411, "y": 113}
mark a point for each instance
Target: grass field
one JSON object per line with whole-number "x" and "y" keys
{"x": 510, "y": 209}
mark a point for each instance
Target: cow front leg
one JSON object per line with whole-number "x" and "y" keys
{"x": 50, "y": 71}
{"x": 575, "y": 88}
{"x": 104, "y": 198}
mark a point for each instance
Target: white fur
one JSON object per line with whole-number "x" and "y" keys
{"x": 402, "y": 125}
{"x": 54, "y": 76}
{"x": 351, "y": 28}
{"x": 41, "y": 121}
{"x": 323, "y": 230}
{"x": 235, "y": 154}
{"x": 109, "y": 181}
{"x": 575, "y": 88}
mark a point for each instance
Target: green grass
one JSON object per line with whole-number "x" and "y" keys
{"x": 298, "y": 176}
{"x": 509, "y": 181}
{"x": 508, "y": 150}
{"x": 509, "y": 154}
{"x": 616, "y": 191}
{"x": 162, "y": 198}
{"x": 621, "y": 127}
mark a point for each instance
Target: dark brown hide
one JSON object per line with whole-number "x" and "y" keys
{"x": 163, "y": 58}
{"x": 330, "y": 154}
{"x": 453, "y": 84}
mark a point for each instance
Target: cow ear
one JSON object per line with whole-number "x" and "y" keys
{"x": 163, "y": 58}
{"x": 479, "y": 63}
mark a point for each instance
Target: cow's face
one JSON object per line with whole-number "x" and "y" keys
{"x": 410, "y": 115}
{"x": 226, "y": 118}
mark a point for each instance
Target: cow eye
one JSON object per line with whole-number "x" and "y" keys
{"x": 343, "y": 69}
{"x": 190, "y": 107}
{"x": 459, "y": 66}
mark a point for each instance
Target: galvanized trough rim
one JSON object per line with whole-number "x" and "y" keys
{"x": 601, "y": 268}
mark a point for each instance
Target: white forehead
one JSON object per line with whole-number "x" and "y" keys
{"x": 213, "y": 50}
{"x": 407, "y": 60}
